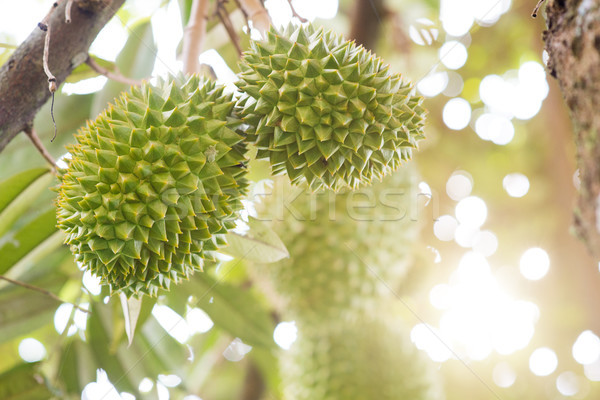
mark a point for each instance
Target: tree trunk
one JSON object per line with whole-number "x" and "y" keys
{"x": 23, "y": 83}
{"x": 573, "y": 45}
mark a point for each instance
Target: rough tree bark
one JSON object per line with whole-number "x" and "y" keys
{"x": 366, "y": 22}
{"x": 23, "y": 83}
{"x": 573, "y": 45}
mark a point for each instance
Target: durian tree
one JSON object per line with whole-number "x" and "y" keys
{"x": 205, "y": 216}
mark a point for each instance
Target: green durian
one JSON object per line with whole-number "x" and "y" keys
{"x": 366, "y": 358}
{"x": 153, "y": 185}
{"x": 347, "y": 250}
{"x": 325, "y": 110}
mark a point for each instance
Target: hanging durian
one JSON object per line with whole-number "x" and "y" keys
{"x": 153, "y": 184}
{"x": 347, "y": 250}
{"x": 364, "y": 359}
{"x": 326, "y": 111}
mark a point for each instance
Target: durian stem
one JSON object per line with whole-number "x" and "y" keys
{"x": 257, "y": 14}
{"x": 537, "y": 8}
{"x": 42, "y": 291}
{"x": 193, "y": 37}
{"x": 115, "y": 76}
{"x": 35, "y": 139}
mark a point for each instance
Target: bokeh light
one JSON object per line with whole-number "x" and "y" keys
{"x": 534, "y": 263}
{"x": 285, "y": 334}
{"x": 457, "y": 113}
{"x": 453, "y": 54}
{"x": 568, "y": 384}
{"x": 543, "y": 361}
{"x": 516, "y": 184}
{"x": 586, "y": 349}
{"x": 198, "y": 321}
{"x": 172, "y": 323}
{"x": 471, "y": 211}
{"x": 459, "y": 185}
{"x": 504, "y": 375}
{"x": 485, "y": 242}
{"x": 31, "y": 350}
{"x": 433, "y": 84}
{"x": 444, "y": 228}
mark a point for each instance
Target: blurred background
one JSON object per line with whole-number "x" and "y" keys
{"x": 508, "y": 289}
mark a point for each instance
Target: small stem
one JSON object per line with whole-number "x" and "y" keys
{"x": 68, "y": 11}
{"x": 193, "y": 37}
{"x": 35, "y": 139}
{"x": 51, "y": 78}
{"x": 226, "y": 21}
{"x": 42, "y": 291}
{"x": 537, "y": 7}
{"x": 244, "y": 13}
{"x": 258, "y": 14}
{"x": 115, "y": 76}
{"x": 295, "y": 14}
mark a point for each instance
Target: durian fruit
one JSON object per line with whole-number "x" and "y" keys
{"x": 347, "y": 250}
{"x": 326, "y": 111}
{"x": 153, "y": 184}
{"x": 367, "y": 358}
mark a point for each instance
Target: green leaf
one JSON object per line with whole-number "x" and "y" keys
{"x": 259, "y": 244}
{"x": 23, "y": 382}
{"x": 84, "y": 71}
{"x": 136, "y": 60}
{"x": 135, "y": 313}
{"x": 27, "y": 239}
{"x": 236, "y": 311}
{"x": 18, "y": 192}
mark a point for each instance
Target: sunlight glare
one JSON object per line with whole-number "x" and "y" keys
{"x": 471, "y": 211}
{"x": 445, "y": 227}
{"x": 172, "y": 323}
{"x": 504, "y": 376}
{"x": 31, "y": 350}
{"x": 285, "y": 334}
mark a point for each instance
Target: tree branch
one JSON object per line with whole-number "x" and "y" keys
{"x": 366, "y": 22}
{"x": 115, "y": 76}
{"x": 23, "y": 86}
{"x": 39, "y": 145}
{"x": 193, "y": 37}
{"x": 573, "y": 45}
{"x": 226, "y": 21}
{"x": 42, "y": 291}
{"x": 258, "y": 14}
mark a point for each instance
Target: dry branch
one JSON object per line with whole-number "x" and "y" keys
{"x": 23, "y": 83}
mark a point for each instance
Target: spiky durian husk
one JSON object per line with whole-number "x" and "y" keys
{"x": 347, "y": 250}
{"x": 325, "y": 110}
{"x": 153, "y": 184}
{"x": 367, "y": 358}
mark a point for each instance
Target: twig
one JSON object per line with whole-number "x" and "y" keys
{"x": 68, "y": 11}
{"x": 115, "y": 76}
{"x": 258, "y": 14}
{"x": 226, "y": 21}
{"x": 193, "y": 37}
{"x": 42, "y": 291}
{"x": 537, "y": 7}
{"x": 295, "y": 14}
{"x": 35, "y": 139}
{"x": 51, "y": 78}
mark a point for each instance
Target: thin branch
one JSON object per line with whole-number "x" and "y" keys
{"x": 193, "y": 37}
{"x": 258, "y": 14}
{"x": 536, "y": 9}
{"x": 295, "y": 14}
{"x": 42, "y": 291}
{"x": 226, "y": 21}
{"x": 115, "y": 76}
{"x": 35, "y": 139}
